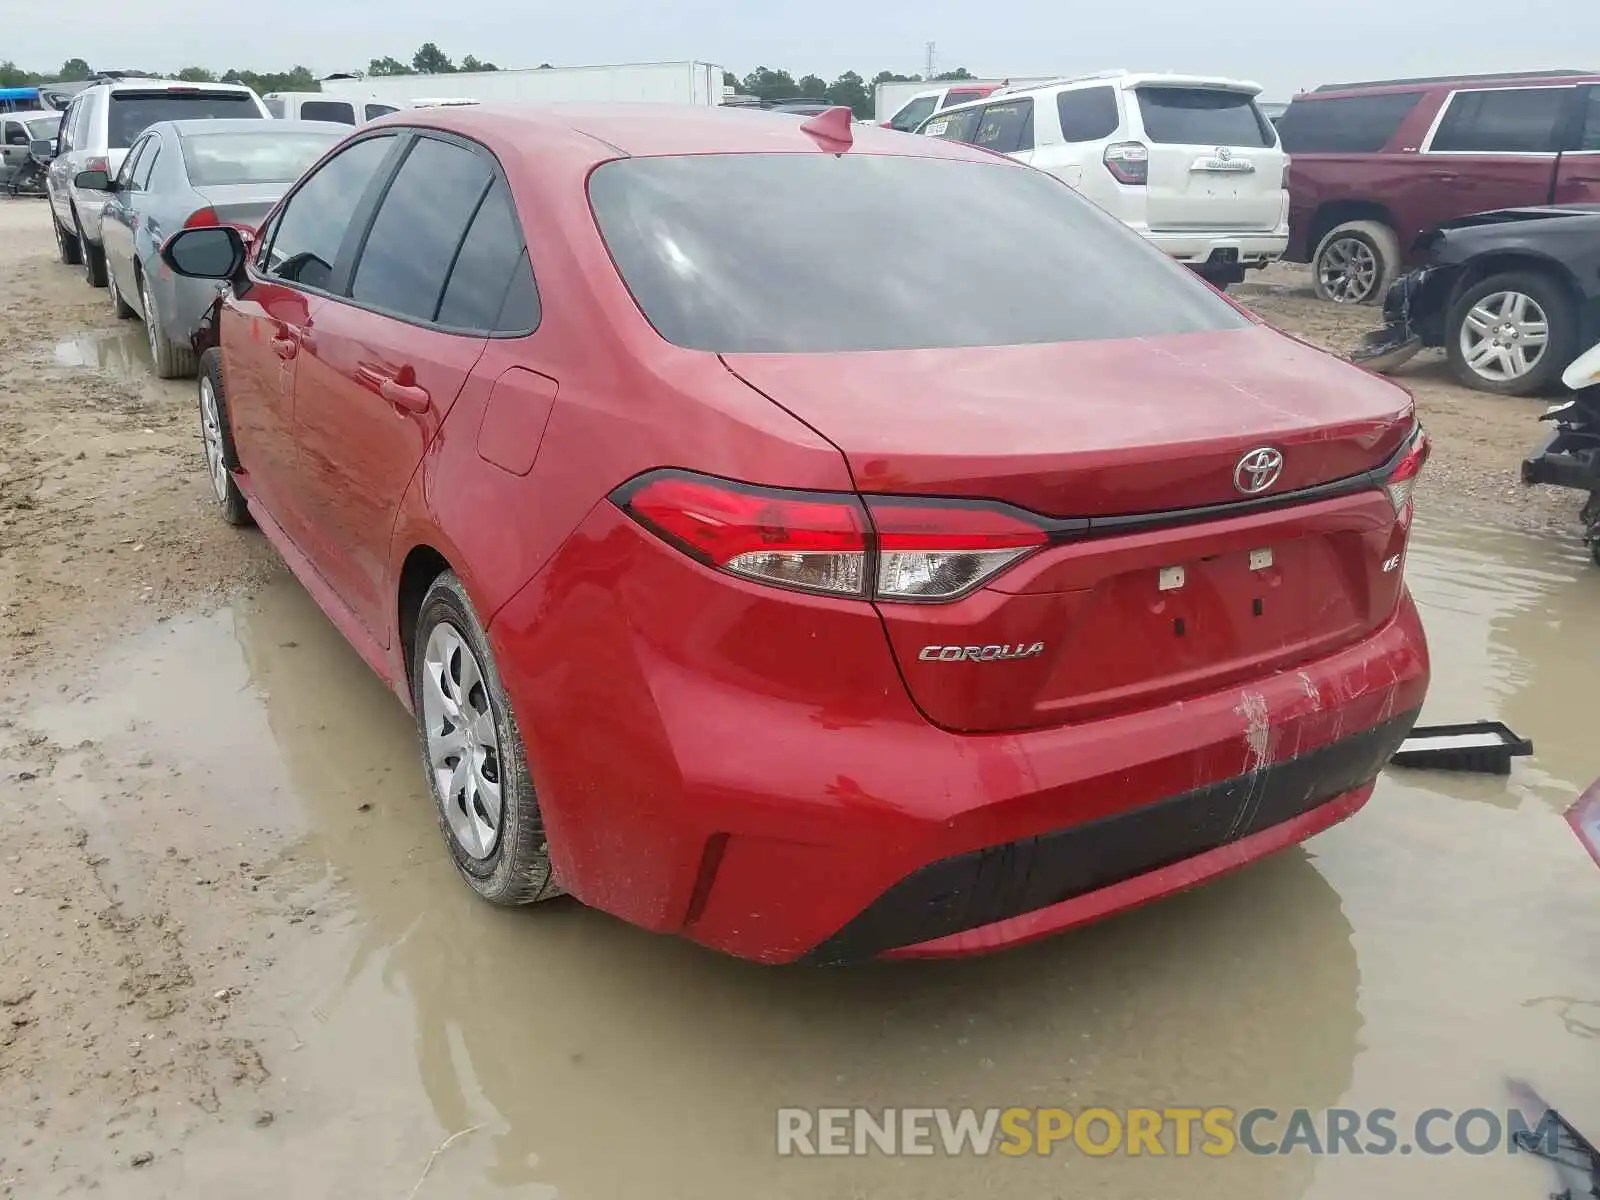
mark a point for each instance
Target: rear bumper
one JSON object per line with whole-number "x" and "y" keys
{"x": 1197, "y": 247}
{"x": 697, "y": 777}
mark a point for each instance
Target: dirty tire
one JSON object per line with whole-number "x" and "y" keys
{"x": 517, "y": 870}
{"x": 1380, "y": 241}
{"x": 230, "y": 500}
{"x": 1561, "y": 331}
{"x": 171, "y": 360}
{"x": 120, "y": 308}
{"x": 93, "y": 258}
{"x": 68, "y": 249}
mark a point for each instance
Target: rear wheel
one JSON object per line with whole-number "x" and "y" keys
{"x": 472, "y": 753}
{"x": 1355, "y": 262}
{"x": 1511, "y": 334}
{"x": 119, "y": 307}
{"x": 68, "y": 248}
{"x": 171, "y": 360}
{"x": 93, "y": 257}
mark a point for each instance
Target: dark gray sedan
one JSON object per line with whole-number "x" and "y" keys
{"x": 188, "y": 173}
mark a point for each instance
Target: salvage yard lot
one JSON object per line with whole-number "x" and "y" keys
{"x": 234, "y": 959}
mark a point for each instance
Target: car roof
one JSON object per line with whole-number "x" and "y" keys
{"x": 1329, "y": 91}
{"x": 1122, "y": 79}
{"x": 605, "y": 131}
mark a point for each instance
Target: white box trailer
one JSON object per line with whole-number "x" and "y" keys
{"x": 890, "y": 98}
{"x": 656, "y": 83}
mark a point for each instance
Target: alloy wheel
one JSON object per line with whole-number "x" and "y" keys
{"x": 1348, "y": 270}
{"x": 1504, "y": 336}
{"x": 463, "y": 741}
{"x": 211, "y": 433}
{"x": 151, "y": 322}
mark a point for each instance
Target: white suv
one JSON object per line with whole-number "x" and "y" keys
{"x": 97, "y": 129}
{"x": 1190, "y": 162}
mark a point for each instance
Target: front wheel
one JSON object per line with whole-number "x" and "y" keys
{"x": 1355, "y": 263}
{"x": 473, "y": 756}
{"x": 216, "y": 435}
{"x": 1511, "y": 334}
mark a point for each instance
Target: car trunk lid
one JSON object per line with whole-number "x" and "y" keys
{"x": 1214, "y": 161}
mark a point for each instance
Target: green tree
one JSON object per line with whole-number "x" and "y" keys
{"x": 12, "y": 75}
{"x": 74, "y": 70}
{"x": 851, "y": 90}
{"x": 470, "y": 63}
{"x": 958, "y": 73}
{"x": 195, "y": 75}
{"x": 769, "y": 84}
{"x": 891, "y": 77}
{"x": 388, "y": 66}
{"x": 430, "y": 60}
{"x": 729, "y": 79}
{"x": 812, "y": 87}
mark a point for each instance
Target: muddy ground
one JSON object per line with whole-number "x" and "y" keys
{"x": 234, "y": 959}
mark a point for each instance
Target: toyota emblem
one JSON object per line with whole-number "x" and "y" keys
{"x": 1258, "y": 470}
{"x": 1224, "y": 153}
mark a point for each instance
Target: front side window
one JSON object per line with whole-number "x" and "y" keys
{"x": 1006, "y": 128}
{"x": 132, "y": 112}
{"x": 915, "y": 113}
{"x": 1087, "y": 114}
{"x": 42, "y": 128}
{"x": 1191, "y": 116}
{"x": 419, "y": 227}
{"x": 1502, "y": 121}
{"x": 864, "y": 248}
{"x": 340, "y": 111}
{"x": 15, "y": 134}
{"x": 314, "y": 221}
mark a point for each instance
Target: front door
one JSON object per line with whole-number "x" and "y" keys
{"x": 1491, "y": 148}
{"x": 1578, "y": 174}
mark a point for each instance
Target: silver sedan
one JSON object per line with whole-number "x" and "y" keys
{"x": 189, "y": 173}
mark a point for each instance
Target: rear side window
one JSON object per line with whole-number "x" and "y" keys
{"x": 1589, "y": 136}
{"x": 1347, "y": 125}
{"x": 955, "y": 127}
{"x": 1006, "y": 128}
{"x": 494, "y": 251}
{"x": 313, "y": 224}
{"x": 134, "y": 112}
{"x": 865, "y": 250}
{"x": 1203, "y": 117}
{"x": 1504, "y": 121}
{"x": 147, "y": 164}
{"x": 914, "y": 114}
{"x": 374, "y": 111}
{"x": 341, "y": 111}
{"x": 1087, "y": 114}
{"x": 419, "y": 227}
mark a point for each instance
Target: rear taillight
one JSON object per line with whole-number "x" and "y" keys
{"x": 1283, "y": 181}
{"x": 1128, "y": 162}
{"x": 829, "y": 543}
{"x": 202, "y": 218}
{"x": 1402, "y": 480}
{"x": 97, "y": 164}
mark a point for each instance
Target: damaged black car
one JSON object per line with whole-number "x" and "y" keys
{"x": 1513, "y": 296}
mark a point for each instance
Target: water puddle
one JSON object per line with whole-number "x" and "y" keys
{"x": 1412, "y": 958}
{"x": 122, "y": 352}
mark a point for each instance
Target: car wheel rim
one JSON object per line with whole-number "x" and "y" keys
{"x": 1504, "y": 336}
{"x": 211, "y": 432}
{"x": 150, "y": 320}
{"x": 462, "y": 740}
{"x": 1349, "y": 270}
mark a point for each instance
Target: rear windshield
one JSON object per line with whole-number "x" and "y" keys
{"x": 265, "y": 157}
{"x": 1203, "y": 117}
{"x": 328, "y": 110}
{"x": 813, "y": 253}
{"x": 134, "y": 112}
{"x": 1346, "y": 125}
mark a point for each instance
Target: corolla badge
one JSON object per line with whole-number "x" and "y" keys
{"x": 980, "y": 653}
{"x": 1258, "y": 470}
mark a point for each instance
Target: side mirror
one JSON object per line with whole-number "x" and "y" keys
{"x": 214, "y": 252}
{"x": 43, "y": 148}
{"x": 1584, "y": 371}
{"x": 92, "y": 181}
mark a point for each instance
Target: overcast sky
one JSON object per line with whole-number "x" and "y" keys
{"x": 1284, "y": 45}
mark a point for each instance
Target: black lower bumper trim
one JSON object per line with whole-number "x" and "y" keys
{"x": 970, "y": 890}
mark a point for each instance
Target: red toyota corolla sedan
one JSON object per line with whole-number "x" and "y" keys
{"x": 817, "y": 542}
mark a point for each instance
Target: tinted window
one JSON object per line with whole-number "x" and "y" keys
{"x": 313, "y": 223}
{"x": 1589, "y": 138}
{"x": 419, "y": 227}
{"x": 520, "y": 312}
{"x": 1006, "y": 128}
{"x": 864, "y": 248}
{"x": 131, "y": 164}
{"x": 16, "y": 135}
{"x": 274, "y": 105}
{"x": 491, "y": 254}
{"x": 915, "y": 113}
{"x": 69, "y": 122}
{"x": 1347, "y": 125}
{"x": 134, "y": 112}
{"x": 375, "y": 111}
{"x": 1087, "y": 114}
{"x": 1202, "y": 117}
{"x": 1507, "y": 121}
{"x": 341, "y": 111}
{"x": 959, "y": 126}
{"x": 147, "y": 164}
{"x": 271, "y": 156}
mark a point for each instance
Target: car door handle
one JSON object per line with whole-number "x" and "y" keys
{"x": 406, "y": 397}
{"x": 285, "y": 347}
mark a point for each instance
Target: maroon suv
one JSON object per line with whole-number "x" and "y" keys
{"x": 1376, "y": 165}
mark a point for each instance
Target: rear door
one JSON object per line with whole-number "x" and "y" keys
{"x": 1578, "y": 173}
{"x": 1495, "y": 148}
{"x": 389, "y": 358}
{"x": 1214, "y": 160}
{"x": 119, "y": 218}
{"x": 1007, "y": 128}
